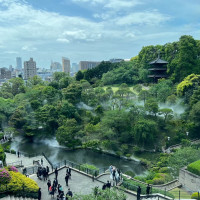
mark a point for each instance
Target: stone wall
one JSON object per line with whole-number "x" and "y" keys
{"x": 189, "y": 180}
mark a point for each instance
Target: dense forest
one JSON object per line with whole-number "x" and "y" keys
{"x": 113, "y": 106}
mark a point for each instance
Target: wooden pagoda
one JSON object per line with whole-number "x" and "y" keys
{"x": 158, "y": 69}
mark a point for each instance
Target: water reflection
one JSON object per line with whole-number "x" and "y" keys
{"x": 56, "y": 153}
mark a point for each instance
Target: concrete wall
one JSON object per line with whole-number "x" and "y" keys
{"x": 189, "y": 180}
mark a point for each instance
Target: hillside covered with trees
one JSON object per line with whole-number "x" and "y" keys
{"x": 86, "y": 111}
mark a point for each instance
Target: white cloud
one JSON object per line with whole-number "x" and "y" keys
{"x": 63, "y": 40}
{"x": 142, "y": 18}
{"x": 29, "y": 48}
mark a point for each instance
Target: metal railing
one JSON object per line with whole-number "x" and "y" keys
{"x": 15, "y": 164}
{"x": 80, "y": 167}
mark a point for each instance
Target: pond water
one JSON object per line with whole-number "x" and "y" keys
{"x": 57, "y": 153}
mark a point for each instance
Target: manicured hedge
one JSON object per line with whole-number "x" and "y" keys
{"x": 194, "y": 167}
{"x": 133, "y": 185}
{"x": 195, "y": 196}
{"x": 19, "y": 185}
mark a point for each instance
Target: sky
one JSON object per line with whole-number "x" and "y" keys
{"x": 94, "y": 30}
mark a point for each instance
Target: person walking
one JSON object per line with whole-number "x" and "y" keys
{"x": 113, "y": 173}
{"x": 39, "y": 194}
{"x": 110, "y": 169}
{"x": 68, "y": 170}
{"x": 69, "y": 194}
{"x": 47, "y": 169}
{"x": 66, "y": 179}
{"x": 18, "y": 154}
{"x": 48, "y": 184}
{"x": 148, "y": 190}
{"x": 41, "y": 161}
{"x": 138, "y": 192}
{"x": 56, "y": 173}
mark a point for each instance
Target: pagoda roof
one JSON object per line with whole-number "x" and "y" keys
{"x": 158, "y": 61}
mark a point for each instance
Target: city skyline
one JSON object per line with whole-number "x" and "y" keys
{"x": 90, "y": 30}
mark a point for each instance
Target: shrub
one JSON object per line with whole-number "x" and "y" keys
{"x": 4, "y": 176}
{"x": 2, "y": 154}
{"x": 12, "y": 151}
{"x": 164, "y": 170}
{"x": 195, "y": 196}
{"x": 133, "y": 185}
{"x": 194, "y": 167}
{"x": 1, "y": 136}
{"x": 12, "y": 168}
{"x": 91, "y": 169}
{"x": 20, "y": 185}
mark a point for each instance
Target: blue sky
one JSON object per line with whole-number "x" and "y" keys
{"x": 91, "y": 29}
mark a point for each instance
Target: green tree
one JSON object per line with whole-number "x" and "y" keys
{"x": 145, "y": 132}
{"x": 79, "y": 75}
{"x": 151, "y": 106}
{"x": 72, "y": 93}
{"x": 67, "y": 134}
{"x": 166, "y": 112}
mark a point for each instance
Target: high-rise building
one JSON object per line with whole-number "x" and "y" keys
{"x": 5, "y": 73}
{"x": 55, "y": 67}
{"x": 66, "y": 65}
{"x": 19, "y": 63}
{"x": 29, "y": 69}
{"x": 87, "y": 64}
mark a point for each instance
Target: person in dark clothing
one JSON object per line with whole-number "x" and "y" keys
{"x": 108, "y": 185}
{"x": 113, "y": 173}
{"x": 48, "y": 184}
{"x": 104, "y": 186}
{"x": 47, "y": 169}
{"x": 148, "y": 190}
{"x": 56, "y": 173}
{"x": 39, "y": 194}
{"x": 138, "y": 192}
{"x": 68, "y": 171}
{"x": 69, "y": 193}
{"x": 41, "y": 161}
{"x": 66, "y": 179}
{"x": 18, "y": 154}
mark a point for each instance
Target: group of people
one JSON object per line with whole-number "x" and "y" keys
{"x": 55, "y": 187}
{"x": 43, "y": 173}
{"x": 115, "y": 173}
{"x": 106, "y": 185}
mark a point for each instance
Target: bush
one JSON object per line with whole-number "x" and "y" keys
{"x": 195, "y": 196}
{"x": 2, "y": 154}
{"x": 194, "y": 167}
{"x": 1, "y": 136}
{"x": 133, "y": 185}
{"x": 130, "y": 173}
{"x": 12, "y": 151}
{"x": 164, "y": 170}
{"x": 91, "y": 169}
{"x": 20, "y": 185}
{"x": 4, "y": 176}
{"x": 12, "y": 168}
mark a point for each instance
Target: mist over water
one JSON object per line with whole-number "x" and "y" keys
{"x": 57, "y": 153}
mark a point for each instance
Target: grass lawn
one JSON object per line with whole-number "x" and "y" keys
{"x": 115, "y": 88}
{"x": 183, "y": 193}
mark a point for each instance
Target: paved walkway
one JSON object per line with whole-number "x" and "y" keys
{"x": 26, "y": 161}
{"x": 79, "y": 184}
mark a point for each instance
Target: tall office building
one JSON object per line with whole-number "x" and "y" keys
{"x": 66, "y": 65}
{"x": 87, "y": 64}
{"x": 29, "y": 69}
{"x": 5, "y": 73}
{"x": 75, "y": 67}
{"x": 19, "y": 63}
{"x": 55, "y": 67}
